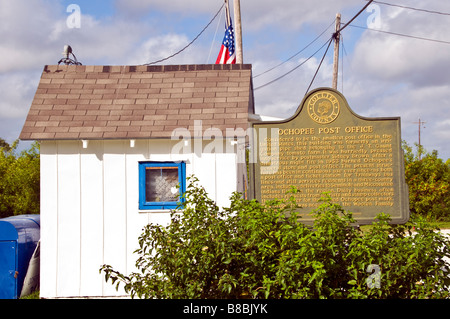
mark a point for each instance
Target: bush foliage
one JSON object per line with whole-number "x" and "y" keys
{"x": 19, "y": 180}
{"x": 428, "y": 179}
{"x": 250, "y": 250}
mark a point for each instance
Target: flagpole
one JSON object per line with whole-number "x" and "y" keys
{"x": 238, "y": 33}
{"x": 227, "y": 13}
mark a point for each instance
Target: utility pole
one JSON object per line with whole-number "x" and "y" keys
{"x": 238, "y": 31}
{"x": 420, "y": 124}
{"x": 336, "y": 50}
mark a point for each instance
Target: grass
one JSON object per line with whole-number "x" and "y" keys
{"x": 440, "y": 225}
{"x": 33, "y": 295}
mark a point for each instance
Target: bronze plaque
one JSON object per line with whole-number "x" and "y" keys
{"x": 326, "y": 147}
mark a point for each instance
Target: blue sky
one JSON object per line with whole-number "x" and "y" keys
{"x": 380, "y": 74}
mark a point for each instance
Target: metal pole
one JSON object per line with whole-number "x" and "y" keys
{"x": 227, "y": 13}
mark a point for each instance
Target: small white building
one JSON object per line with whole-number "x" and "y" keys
{"x": 115, "y": 140}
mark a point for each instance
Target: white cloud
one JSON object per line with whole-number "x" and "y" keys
{"x": 294, "y": 14}
{"x": 160, "y": 47}
{"x": 37, "y": 31}
{"x": 16, "y": 91}
{"x": 137, "y": 8}
{"x": 256, "y": 14}
{"x": 395, "y": 58}
{"x": 282, "y": 97}
{"x": 25, "y": 29}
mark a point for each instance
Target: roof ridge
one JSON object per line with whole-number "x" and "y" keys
{"x": 144, "y": 68}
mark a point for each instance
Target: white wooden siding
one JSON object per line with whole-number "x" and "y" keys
{"x": 91, "y": 215}
{"x": 68, "y": 204}
{"x": 49, "y": 219}
{"x": 90, "y": 208}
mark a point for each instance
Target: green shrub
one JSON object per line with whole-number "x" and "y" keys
{"x": 19, "y": 180}
{"x": 250, "y": 250}
{"x": 428, "y": 179}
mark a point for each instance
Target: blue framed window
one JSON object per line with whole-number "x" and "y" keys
{"x": 161, "y": 184}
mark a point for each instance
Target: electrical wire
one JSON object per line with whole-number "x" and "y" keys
{"x": 295, "y": 68}
{"x": 320, "y": 64}
{"x": 344, "y": 57}
{"x": 214, "y": 39}
{"x": 293, "y": 56}
{"x": 190, "y": 43}
{"x": 351, "y": 20}
{"x": 400, "y": 34}
{"x": 411, "y": 8}
{"x": 329, "y": 43}
{"x": 334, "y": 37}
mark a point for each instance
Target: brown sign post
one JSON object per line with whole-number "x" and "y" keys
{"x": 326, "y": 147}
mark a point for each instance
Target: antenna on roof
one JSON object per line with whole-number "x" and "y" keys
{"x": 66, "y": 60}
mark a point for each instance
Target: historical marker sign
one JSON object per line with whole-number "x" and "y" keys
{"x": 326, "y": 147}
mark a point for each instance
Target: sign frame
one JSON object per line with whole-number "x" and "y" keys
{"x": 359, "y": 158}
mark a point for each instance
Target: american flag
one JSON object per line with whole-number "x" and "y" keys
{"x": 227, "y": 55}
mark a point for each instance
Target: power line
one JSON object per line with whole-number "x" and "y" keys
{"x": 351, "y": 20}
{"x": 295, "y": 68}
{"x": 190, "y": 43}
{"x": 293, "y": 56}
{"x": 320, "y": 64}
{"x": 329, "y": 43}
{"x": 400, "y": 34}
{"x": 342, "y": 63}
{"x": 214, "y": 39}
{"x": 411, "y": 8}
{"x": 335, "y": 36}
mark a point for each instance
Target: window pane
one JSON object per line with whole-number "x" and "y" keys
{"x": 161, "y": 184}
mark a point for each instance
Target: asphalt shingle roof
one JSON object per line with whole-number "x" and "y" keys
{"x": 132, "y": 102}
